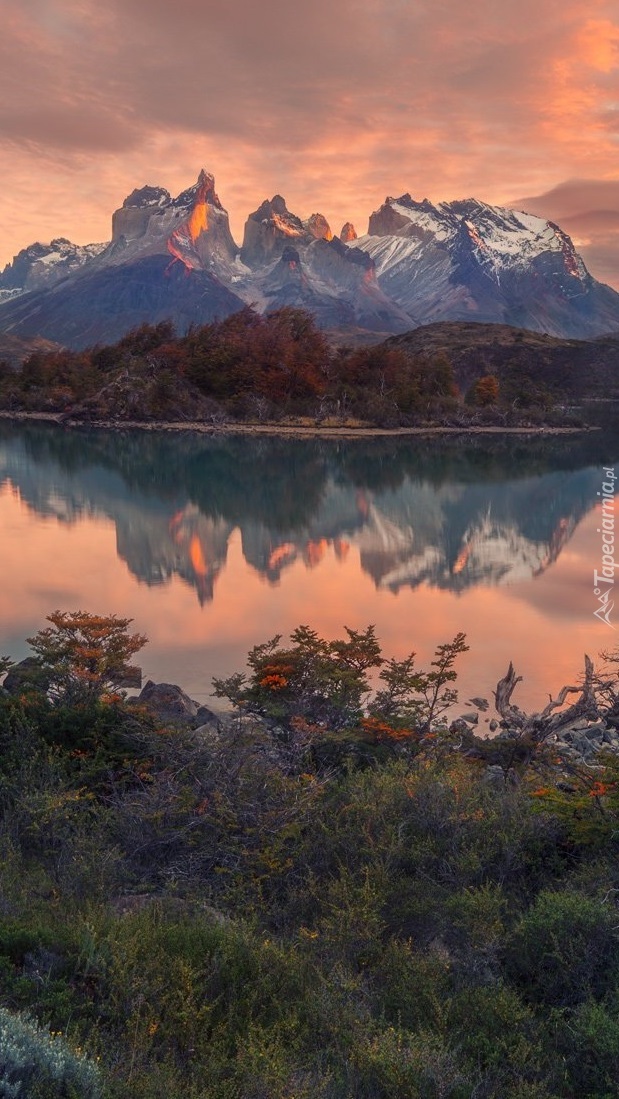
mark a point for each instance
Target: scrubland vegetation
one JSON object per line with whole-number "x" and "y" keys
{"x": 332, "y": 899}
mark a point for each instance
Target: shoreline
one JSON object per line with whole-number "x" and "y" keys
{"x": 286, "y": 430}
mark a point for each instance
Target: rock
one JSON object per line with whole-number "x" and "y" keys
{"x": 319, "y": 227}
{"x": 348, "y": 232}
{"x": 27, "y": 675}
{"x": 207, "y": 731}
{"x": 481, "y": 703}
{"x": 493, "y": 726}
{"x": 471, "y": 718}
{"x": 206, "y": 717}
{"x": 595, "y": 732}
{"x": 459, "y": 726}
{"x": 582, "y": 744}
{"x": 580, "y": 725}
{"x": 168, "y": 701}
{"x": 494, "y": 776}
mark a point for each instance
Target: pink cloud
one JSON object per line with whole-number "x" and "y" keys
{"x": 333, "y": 105}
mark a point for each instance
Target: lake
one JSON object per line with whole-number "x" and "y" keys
{"x": 213, "y": 544}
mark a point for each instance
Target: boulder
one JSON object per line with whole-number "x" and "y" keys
{"x": 480, "y": 703}
{"x": 207, "y": 718}
{"x": 168, "y": 701}
{"x": 27, "y": 675}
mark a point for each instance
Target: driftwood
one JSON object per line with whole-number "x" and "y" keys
{"x": 539, "y": 726}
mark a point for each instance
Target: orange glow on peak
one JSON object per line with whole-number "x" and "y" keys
{"x": 315, "y": 551}
{"x": 341, "y": 548}
{"x": 285, "y": 228}
{"x": 198, "y": 220}
{"x": 462, "y": 558}
{"x": 196, "y": 556}
{"x": 281, "y": 553}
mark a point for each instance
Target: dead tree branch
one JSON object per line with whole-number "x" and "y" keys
{"x": 541, "y": 725}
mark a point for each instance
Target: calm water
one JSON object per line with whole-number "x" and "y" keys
{"x": 213, "y": 545}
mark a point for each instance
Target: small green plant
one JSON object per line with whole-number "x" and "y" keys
{"x": 35, "y": 1064}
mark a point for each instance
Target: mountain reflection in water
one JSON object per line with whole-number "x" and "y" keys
{"x": 418, "y": 511}
{"x": 437, "y": 523}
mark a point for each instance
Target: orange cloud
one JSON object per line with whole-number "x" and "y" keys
{"x": 333, "y": 105}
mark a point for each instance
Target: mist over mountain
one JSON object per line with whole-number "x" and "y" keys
{"x": 418, "y": 263}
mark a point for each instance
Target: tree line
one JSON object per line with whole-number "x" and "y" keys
{"x": 253, "y": 367}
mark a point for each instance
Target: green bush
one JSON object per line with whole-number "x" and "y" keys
{"x": 564, "y": 950}
{"x": 37, "y": 1065}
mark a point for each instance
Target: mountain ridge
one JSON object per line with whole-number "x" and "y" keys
{"x": 419, "y": 263}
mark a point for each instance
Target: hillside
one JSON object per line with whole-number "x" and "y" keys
{"x": 575, "y": 367}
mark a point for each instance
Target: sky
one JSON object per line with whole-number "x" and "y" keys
{"x": 334, "y": 104}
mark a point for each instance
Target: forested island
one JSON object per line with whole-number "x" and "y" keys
{"x": 279, "y": 368}
{"x": 334, "y": 890}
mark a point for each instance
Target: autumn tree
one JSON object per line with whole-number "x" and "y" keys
{"x": 326, "y": 684}
{"x": 85, "y": 655}
{"x": 486, "y": 391}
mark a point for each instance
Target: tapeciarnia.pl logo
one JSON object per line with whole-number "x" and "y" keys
{"x": 604, "y": 581}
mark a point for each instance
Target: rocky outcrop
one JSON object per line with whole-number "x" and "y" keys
{"x": 348, "y": 232}
{"x": 132, "y": 220}
{"x": 319, "y": 227}
{"x": 269, "y": 230}
{"x": 168, "y": 702}
{"x": 26, "y": 675}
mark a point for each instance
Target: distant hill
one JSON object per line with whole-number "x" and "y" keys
{"x": 14, "y": 350}
{"x": 575, "y": 367}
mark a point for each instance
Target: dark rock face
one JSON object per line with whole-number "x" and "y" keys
{"x": 168, "y": 701}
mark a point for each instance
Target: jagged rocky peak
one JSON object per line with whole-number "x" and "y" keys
{"x": 41, "y": 265}
{"x": 319, "y": 227}
{"x": 193, "y": 227}
{"x": 348, "y": 232}
{"x": 393, "y": 217}
{"x": 203, "y": 237}
{"x": 269, "y": 229}
{"x": 202, "y": 191}
{"x": 148, "y": 196}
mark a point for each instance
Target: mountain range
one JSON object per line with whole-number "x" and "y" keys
{"x": 419, "y": 263}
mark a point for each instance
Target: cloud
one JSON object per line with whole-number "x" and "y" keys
{"x": 335, "y": 105}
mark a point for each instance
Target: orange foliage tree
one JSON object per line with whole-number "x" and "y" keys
{"x": 85, "y": 655}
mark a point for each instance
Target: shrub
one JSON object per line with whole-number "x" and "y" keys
{"x": 85, "y": 655}
{"x": 37, "y": 1065}
{"x": 564, "y": 950}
